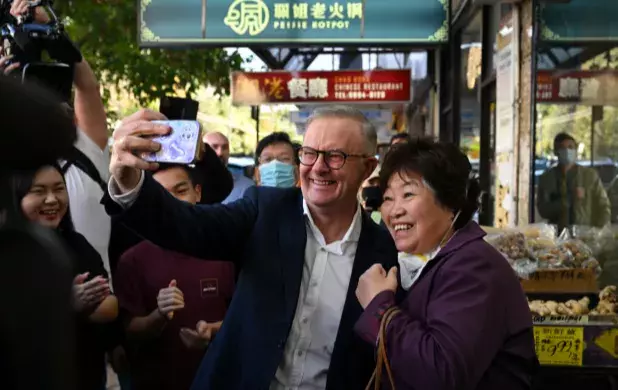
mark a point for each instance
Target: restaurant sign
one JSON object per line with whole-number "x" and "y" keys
{"x": 577, "y": 87}
{"x": 350, "y": 86}
{"x": 235, "y": 22}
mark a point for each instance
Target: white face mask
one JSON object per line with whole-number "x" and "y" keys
{"x": 411, "y": 265}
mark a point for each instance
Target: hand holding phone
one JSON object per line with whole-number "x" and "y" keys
{"x": 183, "y": 145}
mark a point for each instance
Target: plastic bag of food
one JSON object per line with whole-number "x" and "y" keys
{"x": 597, "y": 239}
{"x": 580, "y": 251}
{"x": 511, "y": 244}
{"x": 541, "y": 237}
{"x": 524, "y": 267}
{"x": 555, "y": 257}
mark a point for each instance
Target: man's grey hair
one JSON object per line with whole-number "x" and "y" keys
{"x": 348, "y": 112}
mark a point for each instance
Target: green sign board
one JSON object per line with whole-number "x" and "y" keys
{"x": 580, "y": 20}
{"x": 246, "y": 22}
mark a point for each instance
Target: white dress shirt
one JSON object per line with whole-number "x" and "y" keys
{"x": 324, "y": 286}
{"x": 89, "y": 216}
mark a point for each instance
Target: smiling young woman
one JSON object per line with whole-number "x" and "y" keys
{"x": 42, "y": 198}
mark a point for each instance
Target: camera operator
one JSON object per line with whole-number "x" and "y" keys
{"x": 89, "y": 216}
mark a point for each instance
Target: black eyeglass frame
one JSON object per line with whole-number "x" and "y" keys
{"x": 327, "y": 154}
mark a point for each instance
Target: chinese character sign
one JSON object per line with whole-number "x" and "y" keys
{"x": 586, "y": 87}
{"x": 321, "y": 87}
{"x": 559, "y": 345}
{"x": 286, "y": 21}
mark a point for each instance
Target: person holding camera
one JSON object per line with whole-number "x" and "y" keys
{"x": 89, "y": 216}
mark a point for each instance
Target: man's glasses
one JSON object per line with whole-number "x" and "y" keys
{"x": 334, "y": 159}
{"x": 283, "y": 159}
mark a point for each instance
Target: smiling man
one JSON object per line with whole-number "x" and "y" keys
{"x": 300, "y": 252}
{"x": 173, "y": 303}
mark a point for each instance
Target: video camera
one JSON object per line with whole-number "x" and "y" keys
{"x": 26, "y": 40}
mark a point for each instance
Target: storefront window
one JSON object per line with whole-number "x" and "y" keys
{"x": 471, "y": 64}
{"x": 577, "y": 94}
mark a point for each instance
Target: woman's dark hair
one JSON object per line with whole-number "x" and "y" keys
{"x": 21, "y": 184}
{"x": 443, "y": 166}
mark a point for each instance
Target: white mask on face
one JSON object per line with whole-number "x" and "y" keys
{"x": 411, "y": 265}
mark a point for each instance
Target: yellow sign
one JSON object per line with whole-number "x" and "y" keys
{"x": 559, "y": 345}
{"x": 608, "y": 341}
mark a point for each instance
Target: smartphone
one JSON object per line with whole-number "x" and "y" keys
{"x": 183, "y": 145}
{"x": 56, "y": 77}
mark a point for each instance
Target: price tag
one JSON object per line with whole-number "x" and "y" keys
{"x": 559, "y": 345}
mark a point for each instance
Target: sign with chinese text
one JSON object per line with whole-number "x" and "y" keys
{"x": 377, "y": 86}
{"x": 579, "y": 20}
{"x": 576, "y": 280}
{"x": 559, "y": 345}
{"x": 577, "y": 87}
{"x": 237, "y": 22}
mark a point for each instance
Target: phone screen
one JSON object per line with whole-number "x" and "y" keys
{"x": 58, "y": 78}
{"x": 181, "y": 146}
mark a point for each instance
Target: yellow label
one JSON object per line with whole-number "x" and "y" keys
{"x": 559, "y": 345}
{"x": 608, "y": 341}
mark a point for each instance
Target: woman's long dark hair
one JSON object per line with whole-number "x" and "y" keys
{"x": 21, "y": 184}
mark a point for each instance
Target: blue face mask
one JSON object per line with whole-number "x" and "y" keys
{"x": 277, "y": 174}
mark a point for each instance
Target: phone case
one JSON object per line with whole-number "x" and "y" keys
{"x": 183, "y": 145}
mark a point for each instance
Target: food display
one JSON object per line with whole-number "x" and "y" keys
{"x": 607, "y": 302}
{"x": 553, "y": 308}
{"x": 512, "y": 245}
{"x": 536, "y": 247}
{"x": 607, "y": 305}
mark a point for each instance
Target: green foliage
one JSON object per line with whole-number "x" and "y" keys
{"x": 106, "y": 32}
{"x": 218, "y": 114}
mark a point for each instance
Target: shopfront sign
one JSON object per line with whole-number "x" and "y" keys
{"x": 579, "y": 20}
{"x": 507, "y": 71}
{"x": 577, "y": 87}
{"x": 559, "y": 345}
{"x": 320, "y": 87}
{"x": 237, "y": 22}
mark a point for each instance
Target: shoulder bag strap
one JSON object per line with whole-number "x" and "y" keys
{"x": 382, "y": 357}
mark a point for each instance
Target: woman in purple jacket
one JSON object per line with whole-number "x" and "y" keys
{"x": 464, "y": 323}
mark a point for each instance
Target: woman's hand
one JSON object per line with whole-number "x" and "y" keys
{"x": 374, "y": 281}
{"x": 87, "y": 295}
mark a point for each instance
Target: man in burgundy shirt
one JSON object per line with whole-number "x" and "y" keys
{"x": 174, "y": 304}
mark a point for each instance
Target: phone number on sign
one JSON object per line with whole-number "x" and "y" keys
{"x": 360, "y": 95}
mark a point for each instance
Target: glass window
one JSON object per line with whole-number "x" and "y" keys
{"x": 471, "y": 64}
{"x": 576, "y": 95}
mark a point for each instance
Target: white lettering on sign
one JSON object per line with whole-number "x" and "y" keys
{"x": 318, "y": 88}
{"x": 298, "y": 88}
{"x": 569, "y": 88}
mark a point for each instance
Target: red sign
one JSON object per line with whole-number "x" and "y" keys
{"x": 350, "y": 86}
{"x": 586, "y": 87}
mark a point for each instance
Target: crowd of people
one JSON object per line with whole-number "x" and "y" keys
{"x": 188, "y": 276}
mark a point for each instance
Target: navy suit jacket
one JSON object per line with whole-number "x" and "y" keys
{"x": 264, "y": 234}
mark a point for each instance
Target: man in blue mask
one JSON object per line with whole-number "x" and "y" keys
{"x": 276, "y": 161}
{"x": 570, "y": 194}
